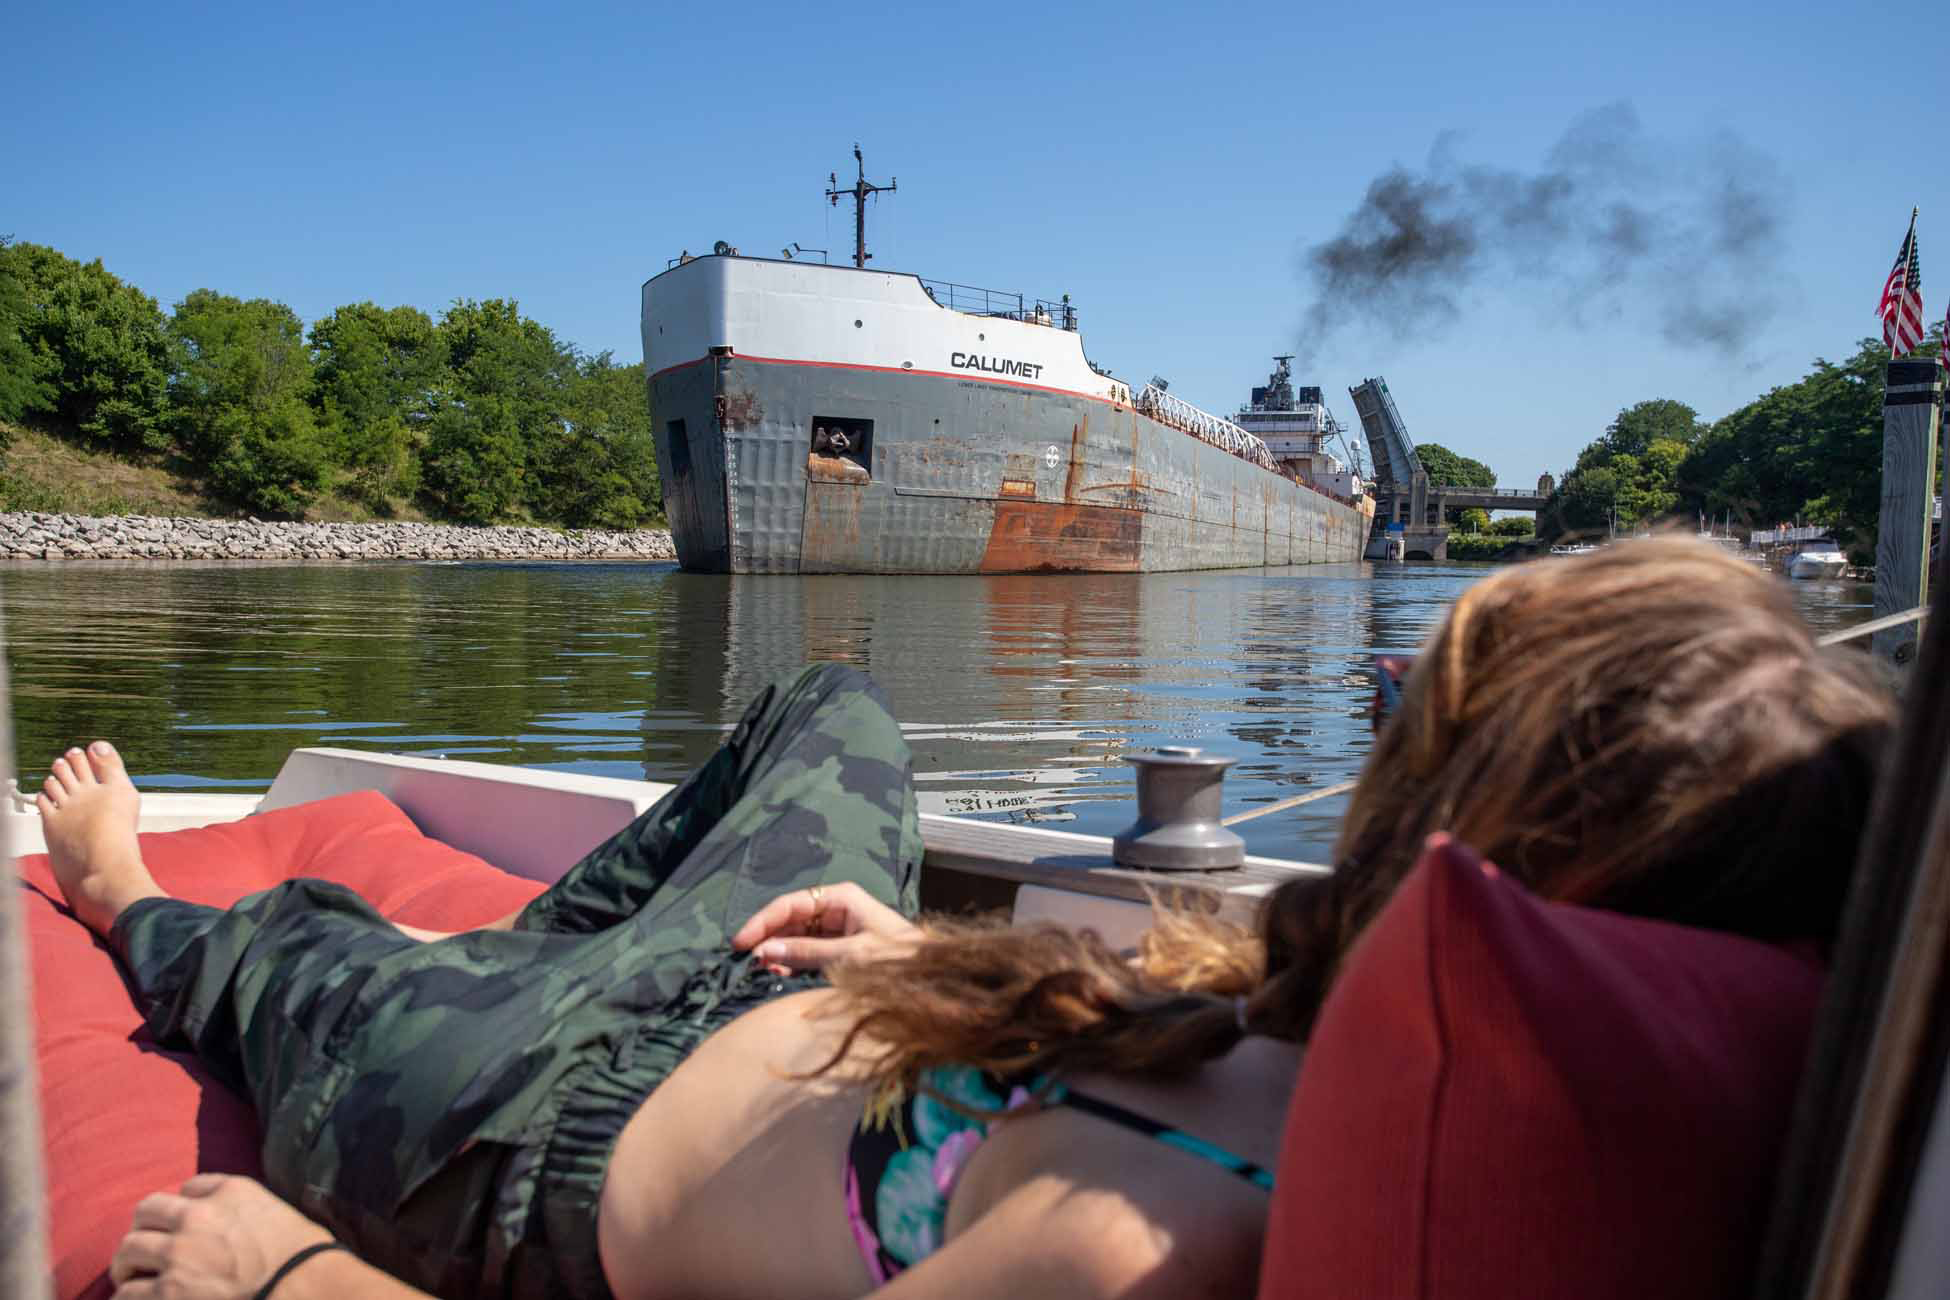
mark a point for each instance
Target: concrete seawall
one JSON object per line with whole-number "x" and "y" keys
{"x": 26, "y": 536}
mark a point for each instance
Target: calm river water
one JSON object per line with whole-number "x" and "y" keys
{"x": 1018, "y": 694}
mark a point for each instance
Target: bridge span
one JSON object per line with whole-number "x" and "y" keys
{"x": 1407, "y": 504}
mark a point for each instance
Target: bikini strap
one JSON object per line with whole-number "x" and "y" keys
{"x": 1164, "y": 1133}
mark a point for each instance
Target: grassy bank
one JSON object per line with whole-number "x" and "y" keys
{"x": 51, "y": 475}
{"x": 41, "y": 472}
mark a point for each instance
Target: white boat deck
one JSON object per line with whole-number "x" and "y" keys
{"x": 535, "y": 823}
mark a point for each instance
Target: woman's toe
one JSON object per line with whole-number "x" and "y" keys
{"x": 53, "y": 792}
{"x": 61, "y": 773}
{"x": 105, "y": 761}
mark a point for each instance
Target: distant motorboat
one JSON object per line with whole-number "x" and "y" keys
{"x": 1821, "y": 559}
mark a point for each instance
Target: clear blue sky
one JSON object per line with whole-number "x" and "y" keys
{"x": 1168, "y": 168}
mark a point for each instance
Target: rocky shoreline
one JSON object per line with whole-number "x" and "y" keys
{"x": 27, "y": 536}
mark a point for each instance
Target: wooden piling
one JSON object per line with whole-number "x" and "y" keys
{"x": 1909, "y": 426}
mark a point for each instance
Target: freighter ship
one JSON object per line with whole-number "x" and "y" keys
{"x": 833, "y": 419}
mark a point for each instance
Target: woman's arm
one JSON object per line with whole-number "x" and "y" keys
{"x": 338, "y": 1274}
{"x": 223, "y": 1237}
{"x": 1056, "y": 1240}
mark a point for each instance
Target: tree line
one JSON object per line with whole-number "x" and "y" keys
{"x": 485, "y": 416}
{"x": 1808, "y": 452}
{"x": 482, "y": 416}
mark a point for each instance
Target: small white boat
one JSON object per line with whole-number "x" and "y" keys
{"x": 1821, "y": 559}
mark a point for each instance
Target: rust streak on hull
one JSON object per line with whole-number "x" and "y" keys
{"x": 1078, "y": 432}
{"x": 1037, "y": 535}
{"x": 830, "y": 540}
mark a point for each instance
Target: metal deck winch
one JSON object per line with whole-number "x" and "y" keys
{"x": 1179, "y": 793}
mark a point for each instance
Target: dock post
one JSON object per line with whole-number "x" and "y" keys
{"x": 1909, "y": 420}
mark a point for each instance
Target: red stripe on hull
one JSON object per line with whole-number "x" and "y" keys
{"x": 907, "y": 370}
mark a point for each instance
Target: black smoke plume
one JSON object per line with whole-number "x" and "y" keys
{"x": 1684, "y": 237}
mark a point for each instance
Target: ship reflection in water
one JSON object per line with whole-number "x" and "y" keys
{"x": 1020, "y": 694}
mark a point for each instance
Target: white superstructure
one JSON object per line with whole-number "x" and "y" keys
{"x": 1295, "y": 429}
{"x": 836, "y": 315}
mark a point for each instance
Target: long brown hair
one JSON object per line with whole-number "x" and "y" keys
{"x": 1650, "y": 728}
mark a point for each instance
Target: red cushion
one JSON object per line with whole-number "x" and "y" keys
{"x": 1506, "y": 1097}
{"x": 123, "y": 1117}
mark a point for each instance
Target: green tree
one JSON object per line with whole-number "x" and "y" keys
{"x": 1647, "y": 482}
{"x": 1629, "y": 475}
{"x": 1446, "y": 468}
{"x": 379, "y": 373}
{"x": 100, "y": 345}
{"x": 1810, "y": 450}
{"x": 1662, "y": 419}
{"x": 506, "y": 400}
{"x": 1513, "y": 526}
{"x": 239, "y": 400}
{"x": 602, "y": 471}
{"x": 25, "y": 386}
{"x": 1582, "y": 504}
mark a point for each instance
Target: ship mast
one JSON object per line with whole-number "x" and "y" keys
{"x": 861, "y": 188}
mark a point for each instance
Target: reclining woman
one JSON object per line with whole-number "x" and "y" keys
{"x": 641, "y": 1085}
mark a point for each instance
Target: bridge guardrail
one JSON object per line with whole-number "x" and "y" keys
{"x": 1436, "y": 488}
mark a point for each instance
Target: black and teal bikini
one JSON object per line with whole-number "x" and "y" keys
{"x": 909, "y": 1149}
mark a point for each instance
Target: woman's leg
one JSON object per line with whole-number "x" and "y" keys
{"x": 256, "y": 990}
{"x": 230, "y": 984}
{"x": 814, "y": 785}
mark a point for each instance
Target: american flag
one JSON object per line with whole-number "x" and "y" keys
{"x": 1901, "y": 307}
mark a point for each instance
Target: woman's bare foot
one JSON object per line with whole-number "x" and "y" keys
{"x": 88, "y": 813}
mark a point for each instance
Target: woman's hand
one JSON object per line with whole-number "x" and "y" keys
{"x": 221, "y": 1238}
{"x": 810, "y": 929}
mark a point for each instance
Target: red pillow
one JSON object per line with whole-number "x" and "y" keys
{"x": 122, "y": 1116}
{"x": 1506, "y": 1097}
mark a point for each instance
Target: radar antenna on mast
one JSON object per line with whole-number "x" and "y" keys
{"x": 859, "y": 191}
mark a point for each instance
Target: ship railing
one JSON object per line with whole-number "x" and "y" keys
{"x": 1181, "y": 414}
{"x": 975, "y": 301}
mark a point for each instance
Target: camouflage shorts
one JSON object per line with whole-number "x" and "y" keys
{"x": 447, "y": 1109}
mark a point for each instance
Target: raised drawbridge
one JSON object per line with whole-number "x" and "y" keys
{"x": 1407, "y": 504}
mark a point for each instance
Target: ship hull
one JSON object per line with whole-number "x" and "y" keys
{"x": 960, "y": 472}
{"x": 967, "y": 476}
